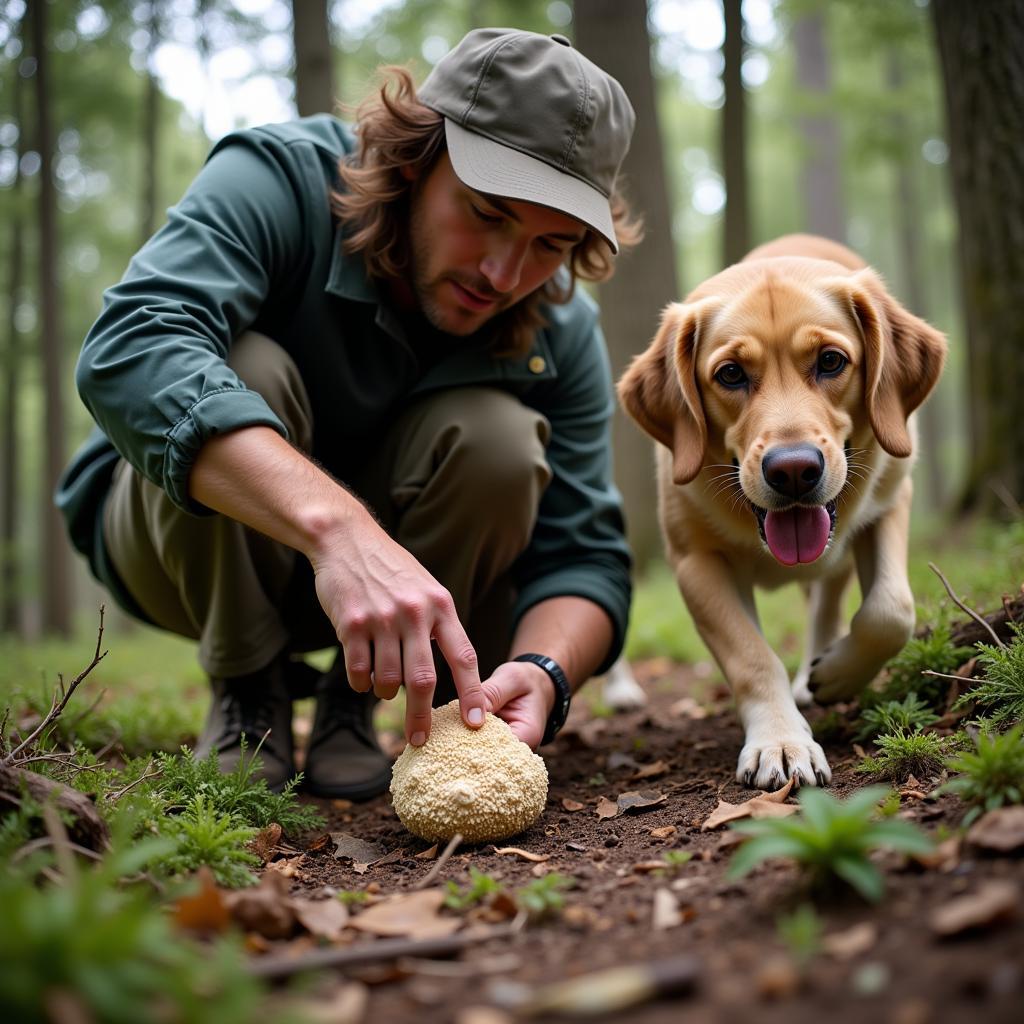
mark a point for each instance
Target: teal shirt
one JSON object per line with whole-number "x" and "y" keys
{"x": 253, "y": 245}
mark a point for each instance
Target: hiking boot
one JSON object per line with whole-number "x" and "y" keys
{"x": 249, "y": 706}
{"x": 343, "y": 759}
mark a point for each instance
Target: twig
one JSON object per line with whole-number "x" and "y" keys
{"x": 441, "y": 861}
{"x": 131, "y": 785}
{"x": 970, "y": 611}
{"x": 43, "y": 841}
{"x": 945, "y": 675}
{"x": 57, "y": 708}
{"x": 60, "y": 759}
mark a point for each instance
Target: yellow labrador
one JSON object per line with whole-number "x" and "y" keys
{"x": 781, "y": 392}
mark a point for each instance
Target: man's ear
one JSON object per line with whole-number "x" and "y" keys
{"x": 659, "y": 390}
{"x": 903, "y": 358}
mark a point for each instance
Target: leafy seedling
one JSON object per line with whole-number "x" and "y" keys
{"x": 480, "y": 886}
{"x": 674, "y": 861}
{"x": 203, "y": 836}
{"x": 544, "y": 897}
{"x": 1001, "y": 692}
{"x": 935, "y": 652}
{"x": 800, "y": 932}
{"x": 909, "y": 715}
{"x": 903, "y": 754}
{"x": 991, "y": 775}
{"x": 831, "y": 839}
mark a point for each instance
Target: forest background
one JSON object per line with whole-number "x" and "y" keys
{"x": 891, "y": 125}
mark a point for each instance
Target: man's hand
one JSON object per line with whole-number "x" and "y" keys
{"x": 522, "y": 694}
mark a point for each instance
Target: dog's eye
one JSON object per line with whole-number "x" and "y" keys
{"x": 731, "y": 376}
{"x": 831, "y": 363}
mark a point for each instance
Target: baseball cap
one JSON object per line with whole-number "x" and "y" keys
{"x": 528, "y": 117}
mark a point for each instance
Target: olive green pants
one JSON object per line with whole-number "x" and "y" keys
{"x": 457, "y": 481}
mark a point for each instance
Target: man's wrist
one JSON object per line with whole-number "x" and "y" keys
{"x": 561, "y": 689}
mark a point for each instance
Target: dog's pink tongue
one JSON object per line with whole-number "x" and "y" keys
{"x": 797, "y": 535}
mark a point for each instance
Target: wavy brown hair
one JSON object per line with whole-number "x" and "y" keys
{"x": 399, "y": 141}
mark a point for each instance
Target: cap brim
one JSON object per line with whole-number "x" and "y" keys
{"x": 487, "y": 166}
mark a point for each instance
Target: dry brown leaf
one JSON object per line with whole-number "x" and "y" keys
{"x": 264, "y": 843}
{"x": 427, "y": 854}
{"x": 650, "y": 771}
{"x": 851, "y": 942}
{"x": 349, "y": 847}
{"x": 323, "y": 918}
{"x": 944, "y": 857}
{"x": 205, "y": 911}
{"x": 645, "y": 867}
{"x": 572, "y": 805}
{"x": 764, "y": 805}
{"x": 992, "y": 903}
{"x": 687, "y": 707}
{"x": 539, "y": 870}
{"x": 536, "y": 858}
{"x": 288, "y": 867}
{"x": 665, "y": 832}
{"x": 322, "y": 844}
{"x": 414, "y": 914}
{"x": 265, "y": 909}
{"x": 607, "y": 808}
{"x": 639, "y": 800}
{"x": 1001, "y": 830}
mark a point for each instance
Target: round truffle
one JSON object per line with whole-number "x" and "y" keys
{"x": 483, "y": 783}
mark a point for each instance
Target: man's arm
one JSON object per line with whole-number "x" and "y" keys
{"x": 575, "y": 632}
{"x": 383, "y": 604}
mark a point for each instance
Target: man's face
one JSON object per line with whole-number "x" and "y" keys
{"x": 473, "y": 256}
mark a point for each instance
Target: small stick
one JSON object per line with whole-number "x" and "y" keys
{"x": 970, "y": 611}
{"x": 944, "y": 675}
{"x": 113, "y": 798}
{"x": 441, "y": 861}
{"x": 44, "y": 841}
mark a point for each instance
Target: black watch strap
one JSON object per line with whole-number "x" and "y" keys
{"x": 563, "y": 693}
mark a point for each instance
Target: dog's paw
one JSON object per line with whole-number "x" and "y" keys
{"x": 841, "y": 671}
{"x": 773, "y": 755}
{"x": 801, "y": 691}
{"x": 621, "y": 691}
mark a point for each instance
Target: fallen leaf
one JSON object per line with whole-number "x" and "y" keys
{"x": 992, "y": 903}
{"x": 851, "y": 942}
{"x": 264, "y": 843}
{"x": 1001, "y": 830}
{"x": 607, "y": 808}
{"x": 666, "y": 913}
{"x": 414, "y": 914}
{"x": 859, "y": 751}
{"x": 342, "y": 805}
{"x": 687, "y": 707}
{"x": 289, "y": 867}
{"x": 427, "y": 854}
{"x": 665, "y": 832}
{"x": 645, "y": 867}
{"x": 578, "y": 847}
{"x": 764, "y": 805}
{"x": 321, "y": 845}
{"x": 323, "y": 918}
{"x": 619, "y": 759}
{"x": 571, "y": 805}
{"x": 944, "y": 857}
{"x": 205, "y": 911}
{"x": 650, "y": 771}
{"x": 777, "y": 978}
{"x": 349, "y": 847}
{"x": 536, "y": 858}
{"x": 482, "y": 1015}
{"x": 539, "y": 870}
{"x": 266, "y": 909}
{"x": 639, "y": 800}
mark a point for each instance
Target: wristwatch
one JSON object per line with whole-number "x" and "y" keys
{"x": 563, "y": 693}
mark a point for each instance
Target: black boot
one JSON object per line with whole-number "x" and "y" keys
{"x": 343, "y": 759}
{"x": 249, "y": 706}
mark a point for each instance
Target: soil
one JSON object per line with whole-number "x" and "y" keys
{"x": 903, "y": 973}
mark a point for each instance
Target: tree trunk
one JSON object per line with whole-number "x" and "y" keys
{"x": 980, "y": 46}
{"x": 736, "y": 242}
{"x": 314, "y": 83}
{"x": 10, "y": 590}
{"x": 821, "y": 178}
{"x": 150, "y": 128}
{"x": 56, "y": 606}
{"x": 613, "y": 34}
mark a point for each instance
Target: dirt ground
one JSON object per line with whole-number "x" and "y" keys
{"x": 893, "y": 970}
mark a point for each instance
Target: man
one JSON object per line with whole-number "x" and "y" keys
{"x": 347, "y": 395}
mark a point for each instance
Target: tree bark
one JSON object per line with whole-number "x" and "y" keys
{"x": 56, "y": 606}
{"x": 613, "y": 34}
{"x": 980, "y": 46}
{"x": 736, "y": 242}
{"x": 821, "y": 177}
{"x": 314, "y": 81}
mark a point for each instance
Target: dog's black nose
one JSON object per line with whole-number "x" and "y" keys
{"x": 794, "y": 470}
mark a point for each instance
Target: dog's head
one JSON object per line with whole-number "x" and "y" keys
{"x": 779, "y": 371}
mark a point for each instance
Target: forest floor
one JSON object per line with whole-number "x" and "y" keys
{"x": 720, "y": 937}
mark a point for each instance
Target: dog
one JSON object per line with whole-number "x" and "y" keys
{"x": 780, "y": 392}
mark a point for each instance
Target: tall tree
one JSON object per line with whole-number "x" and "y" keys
{"x": 613, "y": 33}
{"x": 821, "y": 182}
{"x": 56, "y": 607}
{"x": 736, "y": 241}
{"x": 980, "y": 47}
{"x": 314, "y": 81}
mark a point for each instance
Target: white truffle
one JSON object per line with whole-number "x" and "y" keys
{"x": 484, "y": 783}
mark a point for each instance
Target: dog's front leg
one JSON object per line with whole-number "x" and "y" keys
{"x": 777, "y": 739}
{"x": 885, "y": 620}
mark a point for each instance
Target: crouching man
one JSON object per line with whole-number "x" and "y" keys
{"x": 348, "y": 395}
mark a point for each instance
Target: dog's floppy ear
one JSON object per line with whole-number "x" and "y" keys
{"x": 903, "y": 358}
{"x": 659, "y": 390}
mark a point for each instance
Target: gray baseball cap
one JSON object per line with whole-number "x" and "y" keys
{"x": 528, "y": 117}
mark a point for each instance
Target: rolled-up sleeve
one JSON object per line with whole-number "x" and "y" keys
{"x": 152, "y": 370}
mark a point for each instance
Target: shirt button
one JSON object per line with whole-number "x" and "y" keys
{"x": 537, "y": 364}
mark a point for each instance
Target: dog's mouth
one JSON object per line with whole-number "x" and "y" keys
{"x": 796, "y": 534}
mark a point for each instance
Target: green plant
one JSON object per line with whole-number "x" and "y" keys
{"x": 1001, "y": 692}
{"x": 935, "y": 651}
{"x": 481, "y": 886}
{"x": 544, "y": 896}
{"x": 800, "y": 932}
{"x": 203, "y": 836}
{"x": 353, "y": 897}
{"x": 910, "y": 714}
{"x": 674, "y": 860}
{"x": 831, "y": 838}
{"x": 902, "y": 754}
{"x": 992, "y": 774}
